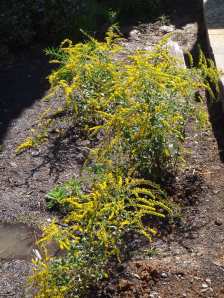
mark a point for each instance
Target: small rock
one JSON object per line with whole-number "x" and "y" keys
{"x": 204, "y": 286}
{"x": 83, "y": 143}
{"x": 176, "y": 51}
{"x": 218, "y": 222}
{"x": 13, "y": 164}
{"x": 136, "y": 276}
{"x": 35, "y": 153}
{"x": 208, "y": 280}
{"x": 134, "y": 33}
{"x": 204, "y": 290}
{"x": 167, "y": 29}
{"x": 147, "y": 48}
{"x": 154, "y": 295}
{"x": 164, "y": 275}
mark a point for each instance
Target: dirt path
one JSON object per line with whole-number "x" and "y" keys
{"x": 189, "y": 261}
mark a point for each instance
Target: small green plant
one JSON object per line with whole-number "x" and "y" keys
{"x": 164, "y": 20}
{"x": 151, "y": 252}
{"x": 27, "y": 144}
{"x": 208, "y": 72}
{"x": 1, "y": 148}
{"x": 55, "y": 198}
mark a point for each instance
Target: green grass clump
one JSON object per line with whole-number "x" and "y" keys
{"x": 136, "y": 105}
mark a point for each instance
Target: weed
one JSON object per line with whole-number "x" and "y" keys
{"x": 137, "y": 106}
{"x": 151, "y": 252}
{"x": 93, "y": 231}
{"x": 140, "y": 103}
{"x": 164, "y": 20}
{"x": 27, "y": 144}
{"x": 55, "y": 198}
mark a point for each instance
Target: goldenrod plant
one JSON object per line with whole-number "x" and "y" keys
{"x": 136, "y": 104}
{"x": 93, "y": 231}
{"x": 208, "y": 72}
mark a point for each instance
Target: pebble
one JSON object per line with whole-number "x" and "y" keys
{"x": 35, "y": 153}
{"x": 164, "y": 275}
{"x": 197, "y": 278}
{"x": 13, "y": 164}
{"x": 218, "y": 222}
{"x": 148, "y": 48}
{"x": 136, "y": 275}
{"x": 204, "y": 286}
{"x": 176, "y": 51}
{"x": 83, "y": 143}
{"x": 134, "y": 33}
{"x": 154, "y": 295}
{"x": 207, "y": 289}
{"x": 167, "y": 29}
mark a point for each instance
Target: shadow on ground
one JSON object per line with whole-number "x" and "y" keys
{"x": 22, "y": 83}
{"x": 215, "y": 9}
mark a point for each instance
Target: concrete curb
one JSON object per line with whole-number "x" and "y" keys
{"x": 212, "y": 10}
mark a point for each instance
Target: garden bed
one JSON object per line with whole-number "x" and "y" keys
{"x": 188, "y": 258}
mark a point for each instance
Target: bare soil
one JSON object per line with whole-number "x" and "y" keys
{"x": 187, "y": 260}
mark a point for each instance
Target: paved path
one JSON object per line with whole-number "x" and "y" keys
{"x": 214, "y": 17}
